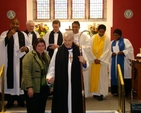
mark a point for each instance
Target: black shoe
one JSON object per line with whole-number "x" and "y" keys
{"x": 8, "y": 105}
{"x": 100, "y": 98}
{"x": 22, "y": 105}
{"x": 95, "y": 96}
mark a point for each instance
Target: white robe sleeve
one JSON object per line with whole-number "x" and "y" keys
{"x": 27, "y": 42}
{"x": 46, "y": 38}
{"x": 128, "y": 51}
{"x": 84, "y": 41}
{"x": 91, "y": 45}
{"x": 51, "y": 70}
{"x": 85, "y": 57}
{"x": 3, "y": 49}
{"x": 37, "y": 34}
{"x": 105, "y": 57}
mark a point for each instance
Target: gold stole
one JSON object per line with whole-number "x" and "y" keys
{"x": 97, "y": 49}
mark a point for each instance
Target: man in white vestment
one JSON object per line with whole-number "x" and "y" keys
{"x": 100, "y": 45}
{"x": 65, "y": 73}
{"x": 31, "y": 34}
{"x": 14, "y": 45}
{"x": 83, "y": 41}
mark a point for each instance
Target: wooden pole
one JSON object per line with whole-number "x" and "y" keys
{"x": 82, "y": 85}
{"x": 82, "y": 79}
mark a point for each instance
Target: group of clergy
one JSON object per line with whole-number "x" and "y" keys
{"x": 103, "y": 56}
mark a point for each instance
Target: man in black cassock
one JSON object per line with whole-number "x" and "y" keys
{"x": 65, "y": 73}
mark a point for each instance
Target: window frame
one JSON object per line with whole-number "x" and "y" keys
{"x": 87, "y": 14}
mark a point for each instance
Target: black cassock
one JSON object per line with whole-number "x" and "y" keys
{"x": 51, "y": 41}
{"x": 60, "y": 94}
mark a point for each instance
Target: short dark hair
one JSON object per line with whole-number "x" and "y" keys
{"x": 56, "y": 21}
{"x": 14, "y": 19}
{"x": 38, "y": 40}
{"x": 118, "y": 31}
{"x": 102, "y": 26}
{"x": 76, "y": 22}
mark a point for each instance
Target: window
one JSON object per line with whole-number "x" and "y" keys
{"x": 61, "y": 9}
{"x": 78, "y": 8}
{"x": 43, "y": 9}
{"x": 69, "y": 9}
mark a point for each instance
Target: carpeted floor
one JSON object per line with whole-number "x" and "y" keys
{"x": 110, "y": 103}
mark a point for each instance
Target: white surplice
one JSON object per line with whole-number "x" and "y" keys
{"x": 84, "y": 42}
{"x": 51, "y": 73}
{"x": 16, "y": 63}
{"x": 30, "y": 36}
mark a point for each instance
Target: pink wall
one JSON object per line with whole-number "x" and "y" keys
{"x": 131, "y": 28}
{"x": 19, "y": 6}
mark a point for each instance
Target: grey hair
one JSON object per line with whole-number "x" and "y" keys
{"x": 29, "y": 21}
{"x": 68, "y": 34}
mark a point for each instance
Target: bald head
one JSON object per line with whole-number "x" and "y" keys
{"x": 68, "y": 35}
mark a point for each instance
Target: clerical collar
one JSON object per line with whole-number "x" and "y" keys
{"x": 76, "y": 33}
{"x": 100, "y": 36}
{"x": 26, "y": 31}
{"x": 55, "y": 32}
{"x": 69, "y": 48}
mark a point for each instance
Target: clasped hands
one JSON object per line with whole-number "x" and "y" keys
{"x": 31, "y": 92}
{"x": 23, "y": 49}
{"x": 119, "y": 53}
{"x": 50, "y": 80}
{"x": 96, "y": 61}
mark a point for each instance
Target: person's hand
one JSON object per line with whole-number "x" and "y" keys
{"x": 76, "y": 44}
{"x": 50, "y": 80}
{"x": 53, "y": 46}
{"x": 114, "y": 54}
{"x": 51, "y": 89}
{"x": 82, "y": 60}
{"x": 23, "y": 49}
{"x": 97, "y": 61}
{"x": 11, "y": 33}
{"x": 30, "y": 92}
{"x": 120, "y": 53}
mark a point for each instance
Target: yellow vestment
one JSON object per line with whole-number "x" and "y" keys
{"x": 97, "y": 49}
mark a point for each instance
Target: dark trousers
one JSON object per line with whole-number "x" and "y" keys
{"x": 114, "y": 88}
{"x": 11, "y": 98}
{"x": 37, "y": 103}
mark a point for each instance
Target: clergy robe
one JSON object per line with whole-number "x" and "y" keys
{"x": 67, "y": 95}
{"x": 99, "y": 72}
{"x": 53, "y": 38}
{"x": 32, "y": 36}
{"x": 14, "y": 87}
{"x": 125, "y": 63}
{"x": 84, "y": 42}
